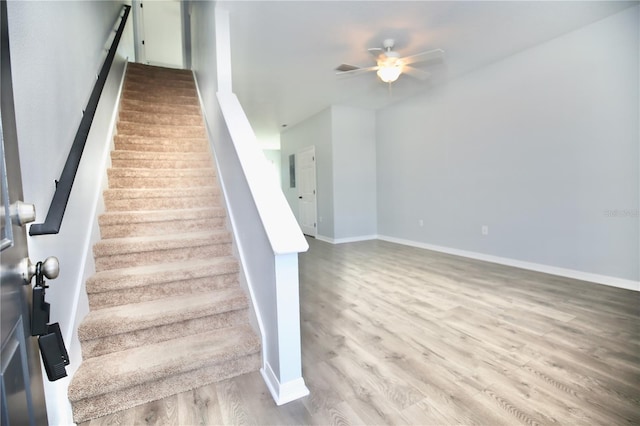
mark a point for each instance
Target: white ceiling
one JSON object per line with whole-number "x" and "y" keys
{"x": 284, "y": 52}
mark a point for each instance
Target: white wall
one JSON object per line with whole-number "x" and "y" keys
{"x": 273, "y": 157}
{"x": 541, "y": 147}
{"x": 57, "y": 49}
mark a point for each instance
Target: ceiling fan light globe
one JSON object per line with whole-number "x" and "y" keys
{"x": 389, "y": 74}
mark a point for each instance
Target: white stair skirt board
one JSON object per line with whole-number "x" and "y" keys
{"x": 547, "y": 269}
{"x": 283, "y": 392}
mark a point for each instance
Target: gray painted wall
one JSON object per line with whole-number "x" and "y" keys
{"x": 542, "y": 147}
{"x": 354, "y": 172}
{"x": 345, "y": 142}
{"x": 315, "y": 131}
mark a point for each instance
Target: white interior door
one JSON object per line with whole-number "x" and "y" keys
{"x": 161, "y": 33}
{"x": 306, "y": 183}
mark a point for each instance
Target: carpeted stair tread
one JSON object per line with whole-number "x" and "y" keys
{"x": 160, "y": 178}
{"x": 167, "y": 119}
{"x": 160, "y": 98}
{"x": 160, "y": 144}
{"x": 142, "y": 276}
{"x": 134, "y": 223}
{"x": 156, "y": 313}
{"x": 118, "y": 246}
{"x": 171, "y": 193}
{"x": 146, "y": 173}
{"x": 128, "y": 105}
{"x": 144, "y": 293}
{"x": 103, "y": 404}
{"x": 167, "y": 312}
{"x": 114, "y": 218}
{"x": 209, "y": 198}
{"x": 130, "y": 223}
{"x": 130, "y": 128}
{"x": 121, "y": 370}
{"x": 159, "y": 160}
{"x": 131, "y": 89}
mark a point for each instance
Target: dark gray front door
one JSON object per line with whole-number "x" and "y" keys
{"x": 22, "y": 393}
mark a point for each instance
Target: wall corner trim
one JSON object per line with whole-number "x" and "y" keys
{"x": 283, "y": 392}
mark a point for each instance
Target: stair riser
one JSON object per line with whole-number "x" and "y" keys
{"x": 160, "y": 228}
{"x": 161, "y": 119}
{"x": 126, "y": 128}
{"x": 154, "y": 292}
{"x": 104, "y": 263}
{"x": 100, "y": 405}
{"x": 165, "y": 75}
{"x": 120, "y": 342}
{"x": 137, "y": 204}
{"x": 161, "y": 164}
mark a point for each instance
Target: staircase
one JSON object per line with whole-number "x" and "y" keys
{"x": 167, "y": 313}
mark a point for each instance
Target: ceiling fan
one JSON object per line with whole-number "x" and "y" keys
{"x": 390, "y": 65}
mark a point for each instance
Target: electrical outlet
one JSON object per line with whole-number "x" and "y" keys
{"x": 421, "y": 222}
{"x": 485, "y": 230}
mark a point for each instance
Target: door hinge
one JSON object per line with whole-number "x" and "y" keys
{"x": 314, "y": 192}
{"x": 314, "y": 225}
{"x": 143, "y": 42}
{"x": 140, "y": 5}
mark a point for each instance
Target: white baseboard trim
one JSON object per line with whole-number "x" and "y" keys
{"x": 283, "y": 392}
{"x": 346, "y": 240}
{"x": 553, "y": 270}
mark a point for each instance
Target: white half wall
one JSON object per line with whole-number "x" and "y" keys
{"x": 266, "y": 235}
{"x": 541, "y": 147}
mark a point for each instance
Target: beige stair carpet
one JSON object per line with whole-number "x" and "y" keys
{"x": 167, "y": 313}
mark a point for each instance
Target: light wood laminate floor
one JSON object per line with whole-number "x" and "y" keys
{"x": 398, "y": 335}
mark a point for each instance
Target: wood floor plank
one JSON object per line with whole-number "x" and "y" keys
{"x": 199, "y": 407}
{"x": 397, "y": 335}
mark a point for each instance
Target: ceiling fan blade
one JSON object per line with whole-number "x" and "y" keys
{"x": 376, "y": 51}
{"x": 430, "y": 55}
{"x": 356, "y": 71}
{"x": 346, "y": 67}
{"x": 414, "y": 72}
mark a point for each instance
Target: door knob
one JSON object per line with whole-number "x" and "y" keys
{"x": 50, "y": 268}
{"x": 22, "y": 213}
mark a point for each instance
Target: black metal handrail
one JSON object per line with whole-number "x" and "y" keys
{"x": 53, "y": 221}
